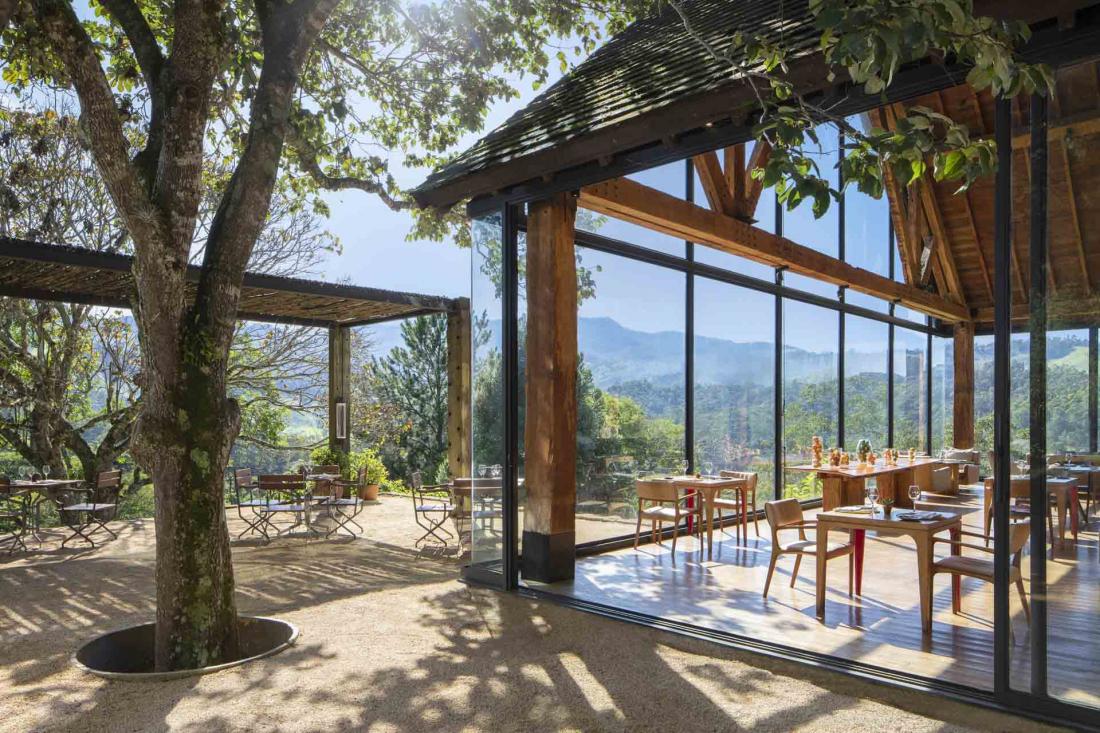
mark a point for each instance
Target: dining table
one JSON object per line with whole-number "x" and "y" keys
{"x": 32, "y": 492}
{"x": 708, "y": 488}
{"x": 847, "y": 484}
{"x": 858, "y": 521}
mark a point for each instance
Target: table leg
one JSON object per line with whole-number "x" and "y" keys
{"x": 924, "y": 573}
{"x": 1074, "y": 509}
{"x": 822, "y": 565}
{"x": 708, "y": 507}
{"x": 1061, "y": 499}
{"x": 744, "y": 513}
{"x": 859, "y": 541}
{"x": 956, "y": 580}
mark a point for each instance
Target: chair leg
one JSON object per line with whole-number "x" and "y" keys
{"x": 755, "y": 517}
{"x": 851, "y": 571}
{"x": 1023, "y": 599}
{"x": 771, "y": 571}
{"x": 637, "y": 531}
{"x": 675, "y": 534}
{"x": 794, "y": 573}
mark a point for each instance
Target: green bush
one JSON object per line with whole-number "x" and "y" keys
{"x": 376, "y": 470}
{"x": 326, "y": 456}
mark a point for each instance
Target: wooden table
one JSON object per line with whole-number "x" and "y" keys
{"x": 1065, "y": 494}
{"x": 708, "y": 489}
{"x": 49, "y": 488}
{"x": 922, "y": 534}
{"x": 846, "y": 485}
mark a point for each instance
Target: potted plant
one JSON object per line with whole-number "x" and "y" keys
{"x": 863, "y": 449}
{"x": 887, "y": 506}
{"x": 375, "y": 473}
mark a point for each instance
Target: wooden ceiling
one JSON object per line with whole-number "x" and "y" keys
{"x": 959, "y": 226}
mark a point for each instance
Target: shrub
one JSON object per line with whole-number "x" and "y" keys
{"x": 376, "y": 470}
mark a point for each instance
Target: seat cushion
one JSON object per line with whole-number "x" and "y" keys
{"x": 86, "y": 507}
{"x": 665, "y": 512}
{"x": 973, "y": 567}
{"x": 434, "y": 508}
{"x": 809, "y": 547}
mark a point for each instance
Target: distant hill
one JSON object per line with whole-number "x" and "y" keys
{"x": 617, "y": 354}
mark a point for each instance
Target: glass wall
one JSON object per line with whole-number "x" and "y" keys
{"x": 943, "y": 393}
{"x": 735, "y": 382}
{"x": 631, "y": 387}
{"x": 810, "y": 395}
{"x": 866, "y": 374}
{"x": 910, "y": 389}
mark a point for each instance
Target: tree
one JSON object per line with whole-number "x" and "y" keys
{"x": 410, "y": 384}
{"x": 158, "y": 84}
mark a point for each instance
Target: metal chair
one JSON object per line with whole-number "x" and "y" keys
{"x": 87, "y": 518}
{"x": 13, "y": 518}
{"x": 244, "y": 488}
{"x": 786, "y": 514}
{"x": 430, "y": 510}
{"x": 283, "y": 494}
{"x": 344, "y": 509}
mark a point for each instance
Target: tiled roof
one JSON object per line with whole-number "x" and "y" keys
{"x": 652, "y": 64}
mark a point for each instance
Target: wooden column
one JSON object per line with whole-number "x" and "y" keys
{"x": 550, "y": 437}
{"x": 339, "y": 386}
{"x": 964, "y": 386}
{"x": 458, "y": 389}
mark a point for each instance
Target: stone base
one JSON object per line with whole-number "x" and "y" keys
{"x": 549, "y": 558}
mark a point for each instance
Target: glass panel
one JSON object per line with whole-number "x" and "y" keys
{"x": 630, "y": 389}
{"x": 943, "y": 393}
{"x": 866, "y": 301}
{"x": 910, "y": 390}
{"x": 1068, "y": 391}
{"x": 810, "y": 397}
{"x": 606, "y": 226}
{"x": 735, "y": 382}
{"x": 866, "y": 344}
{"x": 866, "y": 223}
{"x": 821, "y": 234}
{"x": 487, "y": 412}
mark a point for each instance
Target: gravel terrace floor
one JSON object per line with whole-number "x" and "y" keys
{"x": 391, "y": 641}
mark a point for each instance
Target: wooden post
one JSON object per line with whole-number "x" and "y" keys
{"x": 550, "y": 436}
{"x": 964, "y": 386}
{"x": 339, "y": 388}
{"x": 458, "y": 389}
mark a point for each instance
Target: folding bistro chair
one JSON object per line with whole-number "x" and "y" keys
{"x": 283, "y": 493}
{"x": 431, "y": 512}
{"x": 13, "y": 518}
{"x": 344, "y": 509}
{"x": 245, "y": 487}
{"x": 87, "y": 518}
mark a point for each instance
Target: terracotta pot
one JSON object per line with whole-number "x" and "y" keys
{"x": 369, "y": 492}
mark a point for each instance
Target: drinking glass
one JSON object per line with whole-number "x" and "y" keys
{"x": 914, "y": 493}
{"x": 872, "y": 494}
{"x": 45, "y": 472}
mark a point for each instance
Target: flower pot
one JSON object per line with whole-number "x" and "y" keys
{"x": 887, "y": 510}
{"x": 369, "y": 492}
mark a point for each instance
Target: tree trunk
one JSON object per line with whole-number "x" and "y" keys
{"x": 186, "y": 430}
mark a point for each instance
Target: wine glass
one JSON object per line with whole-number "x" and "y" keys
{"x": 914, "y": 494}
{"x": 45, "y": 471}
{"x": 872, "y": 494}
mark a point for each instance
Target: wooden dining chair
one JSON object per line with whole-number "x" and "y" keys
{"x": 661, "y": 501}
{"x": 1019, "y": 498}
{"x": 982, "y": 568}
{"x": 786, "y": 514}
{"x": 751, "y": 478}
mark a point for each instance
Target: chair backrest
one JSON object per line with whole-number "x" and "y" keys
{"x": 656, "y": 490}
{"x": 242, "y": 479}
{"x": 5, "y": 484}
{"x": 331, "y": 469}
{"x": 750, "y": 477}
{"x": 1019, "y": 532}
{"x": 108, "y": 484}
{"x": 281, "y": 482}
{"x": 782, "y": 513}
{"x": 941, "y": 480}
{"x": 1019, "y": 487}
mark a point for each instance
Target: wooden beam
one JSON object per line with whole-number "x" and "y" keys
{"x": 1076, "y": 221}
{"x": 900, "y": 212}
{"x": 986, "y": 278}
{"x": 715, "y": 186}
{"x": 1069, "y": 307}
{"x": 630, "y": 201}
{"x": 339, "y": 388}
{"x": 550, "y": 435}
{"x": 753, "y": 187}
{"x": 1083, "y": 124}
{"x": 459, "y": 354}
{"x": 964, "y": 386}
{"x": 736, "y": 175}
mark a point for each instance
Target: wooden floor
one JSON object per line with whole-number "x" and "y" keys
{"x": 881, "y": 628}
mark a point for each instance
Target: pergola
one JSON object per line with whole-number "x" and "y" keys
{"x": 54, "y": 272}
{"x": 654, "y": 95}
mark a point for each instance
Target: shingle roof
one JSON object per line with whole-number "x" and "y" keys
{"x": 652, "y": 64}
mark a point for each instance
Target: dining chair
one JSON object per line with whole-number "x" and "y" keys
{"x": 13, "y": 518}
{"x": 323, "y": 489}
{"x": 283, "y": 493}
{"x": 430, "y": 510}
{"x": 661, "y": 501}
{"x": 86, "y": 518}
{"x": 244, "y": 490}
{"x": 344, "y": 509}
{"x": 751, "y": 478}
{"x": 785, "y": 515}
{"x": 981, "y": 568}
{"x": 1019, "y": 504}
